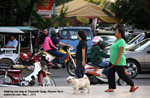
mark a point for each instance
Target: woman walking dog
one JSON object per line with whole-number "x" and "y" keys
{"x": 81, "y": 54}
{"x": 118, "y": 61}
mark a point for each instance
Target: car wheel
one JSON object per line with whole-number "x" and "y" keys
{"x": 132, "y": 68}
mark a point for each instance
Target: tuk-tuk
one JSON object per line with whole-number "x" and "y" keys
{"x": 9, "y": 56}
{"x": 28, "y": 41}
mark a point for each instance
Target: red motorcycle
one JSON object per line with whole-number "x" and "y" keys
{"x": 10, "y": 75}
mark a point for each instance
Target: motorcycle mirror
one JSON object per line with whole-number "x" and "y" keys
{"x": 71, "y": 48}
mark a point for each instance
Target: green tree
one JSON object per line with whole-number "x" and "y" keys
{"x": 133, "y": 12}
{"x": 24, "y": 12}
{"x": 9, "y": 9}
{"x": 16, "y": 12}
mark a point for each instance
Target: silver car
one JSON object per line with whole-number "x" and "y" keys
{"x": 138, "y": 58}
{"x": 135, "y": 40}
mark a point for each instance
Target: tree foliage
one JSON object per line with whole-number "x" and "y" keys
{"x": 24, "y": 12}
{"x": 133, "y": 12}
{"x": 55, "y": 21}
{"x": 18, "y": 12}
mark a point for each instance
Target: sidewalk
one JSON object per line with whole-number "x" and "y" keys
{"x": 67, "y": 92}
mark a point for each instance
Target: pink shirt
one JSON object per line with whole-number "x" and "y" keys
{"x": 47, "y": 43}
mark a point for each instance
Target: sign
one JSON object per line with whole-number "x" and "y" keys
{"x": 45, "y": 13}
{"x": 45, "y": 10}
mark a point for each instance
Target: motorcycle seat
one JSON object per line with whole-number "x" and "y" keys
{"x": 5, "y": 66}
{"x": 97, "y": 66}
{"x": 18, "y": 66}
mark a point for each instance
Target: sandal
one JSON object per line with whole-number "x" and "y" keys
{"x": 109, "y": 90}
{"x": 133, "y": 89}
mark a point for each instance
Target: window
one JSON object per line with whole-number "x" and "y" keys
{"x": 141, "y": 45}
{"x": 72, "y": 34}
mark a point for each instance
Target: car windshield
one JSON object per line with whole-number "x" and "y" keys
{"x": 142, "y": 45}
{"x": 109, "y": 38}
{"x": 108, "y": 33}
{"x": 129, "y": 38}
{"x": 134, "y": 39}
{"x": 72, "y": 33}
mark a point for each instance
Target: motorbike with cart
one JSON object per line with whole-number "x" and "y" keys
{"x": 9, "y": 56}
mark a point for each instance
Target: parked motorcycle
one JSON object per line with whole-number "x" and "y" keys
{"x": 97, "y": 74}
{"x": 11, "y": 74}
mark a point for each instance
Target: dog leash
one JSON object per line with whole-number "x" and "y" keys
{"x": 109, "y": 68}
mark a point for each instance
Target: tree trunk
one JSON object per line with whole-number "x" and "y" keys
{"x": 23, "y": 17}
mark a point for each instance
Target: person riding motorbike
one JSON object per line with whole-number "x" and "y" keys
{"x": 47, "y": 43}
{"x": 97, "y": 54}
{"x": 57, "y": 53}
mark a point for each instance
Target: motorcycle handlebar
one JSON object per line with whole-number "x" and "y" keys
{"x": 65, "y": 47}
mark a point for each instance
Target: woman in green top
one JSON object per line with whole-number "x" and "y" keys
{"x": 117, "y": 58}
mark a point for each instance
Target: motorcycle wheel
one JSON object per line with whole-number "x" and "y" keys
{"x": 120, "y": 82}
{"x": 71, "y": 67}
{"x": 3, "y": 80}
{"x": 93, "y": 79}
{"x": 51, "y": 82}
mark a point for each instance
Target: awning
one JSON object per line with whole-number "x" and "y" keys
{"x": 10, "y": 30}
{"x": 82, "y": 8}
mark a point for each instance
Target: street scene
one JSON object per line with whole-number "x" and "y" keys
{"x": 74, "y": 48}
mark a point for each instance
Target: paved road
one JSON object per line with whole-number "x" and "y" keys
{"x": 63, "y": 90}
{"x": 60, "y": 75}
{"x": 67, "y": 92}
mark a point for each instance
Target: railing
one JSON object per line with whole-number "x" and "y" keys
{"x": 8, "y": 51}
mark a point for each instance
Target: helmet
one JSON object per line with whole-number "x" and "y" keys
{"x": 45, "y": 32}
{"x": 96, "y": 39}
{"x": 53, "y": 33}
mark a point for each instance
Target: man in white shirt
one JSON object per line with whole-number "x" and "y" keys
{"x": 12, "y": 43}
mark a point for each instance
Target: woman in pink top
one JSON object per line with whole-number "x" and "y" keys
{"x": 48, "y": 46}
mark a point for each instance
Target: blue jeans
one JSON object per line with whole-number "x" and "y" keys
{"x": 79, "y": 71}
{"x": 57, "y": 54}
{"x": 106, "y": 65}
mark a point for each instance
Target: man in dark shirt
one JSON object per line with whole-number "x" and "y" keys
{"x": 55, "y": 39}
{"x": 55, "y": 42}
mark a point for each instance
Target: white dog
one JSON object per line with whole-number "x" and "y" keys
{"x": 81, "y": 83}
